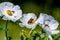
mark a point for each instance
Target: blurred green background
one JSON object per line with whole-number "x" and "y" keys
{"x": 50, "y": 7}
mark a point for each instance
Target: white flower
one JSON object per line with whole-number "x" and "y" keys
{"x": 28, "y": 20}
{"x": 3, "y": 4}
{"x": 10, "y": 11}
{"x": 49, "y": 24}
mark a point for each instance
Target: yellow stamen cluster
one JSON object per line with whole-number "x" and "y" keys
{"x": 9, "y": 12}
{"x": 31, "y": 21}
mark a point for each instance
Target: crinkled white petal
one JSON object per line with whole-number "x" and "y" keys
{"x": 51, "y": 18}
{"x": 41, "y": 18}
{"x": 17, "y": 7}
{"x": 23, "y": 17}
{"x": 5, "y": 18}
{"x": 48, "y": 18}
{"x": 53, "y": 24}
{"x": 16, "y": 15}
{"x": 3, "y": 4}
{"x": 54, "y": 31}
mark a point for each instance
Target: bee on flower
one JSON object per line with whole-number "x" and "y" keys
{"x": 10, "y": 11}
{"x": 49, "y": 24}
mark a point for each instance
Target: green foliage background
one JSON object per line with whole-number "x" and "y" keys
{"x": 44, "y": 6}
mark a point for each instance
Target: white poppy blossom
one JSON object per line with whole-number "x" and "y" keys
{"x": 49, "y": 24}
{"x": 28, "y": 20}
{"x": 10, "y": 11}
{"x": 3, "y": 4}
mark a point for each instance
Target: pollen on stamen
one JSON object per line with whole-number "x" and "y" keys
{"x": 31, "y": 21}
{"x": 9, "y": 12}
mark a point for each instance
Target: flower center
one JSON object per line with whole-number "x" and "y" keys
{"x": 31, "y": 21}
{"x": 46, "y": 25}
{"x": 9, "y": 12}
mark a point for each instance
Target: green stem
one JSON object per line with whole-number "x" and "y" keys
{"x": 31, "y": 32}
{"x": 6, "y": 30}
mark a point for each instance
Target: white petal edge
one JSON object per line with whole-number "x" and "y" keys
{"x": 40, "y": 20}
{"x": 5, "y": 18}
{"x": 16, "y": 7}
{"x": 53, "y": 24}
{"x": 9, "y": 4}
{"x": 21, "y": 25}
{"x": 55, "y": 32}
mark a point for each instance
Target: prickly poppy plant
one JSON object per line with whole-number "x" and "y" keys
{"x": 17, "y": 25}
